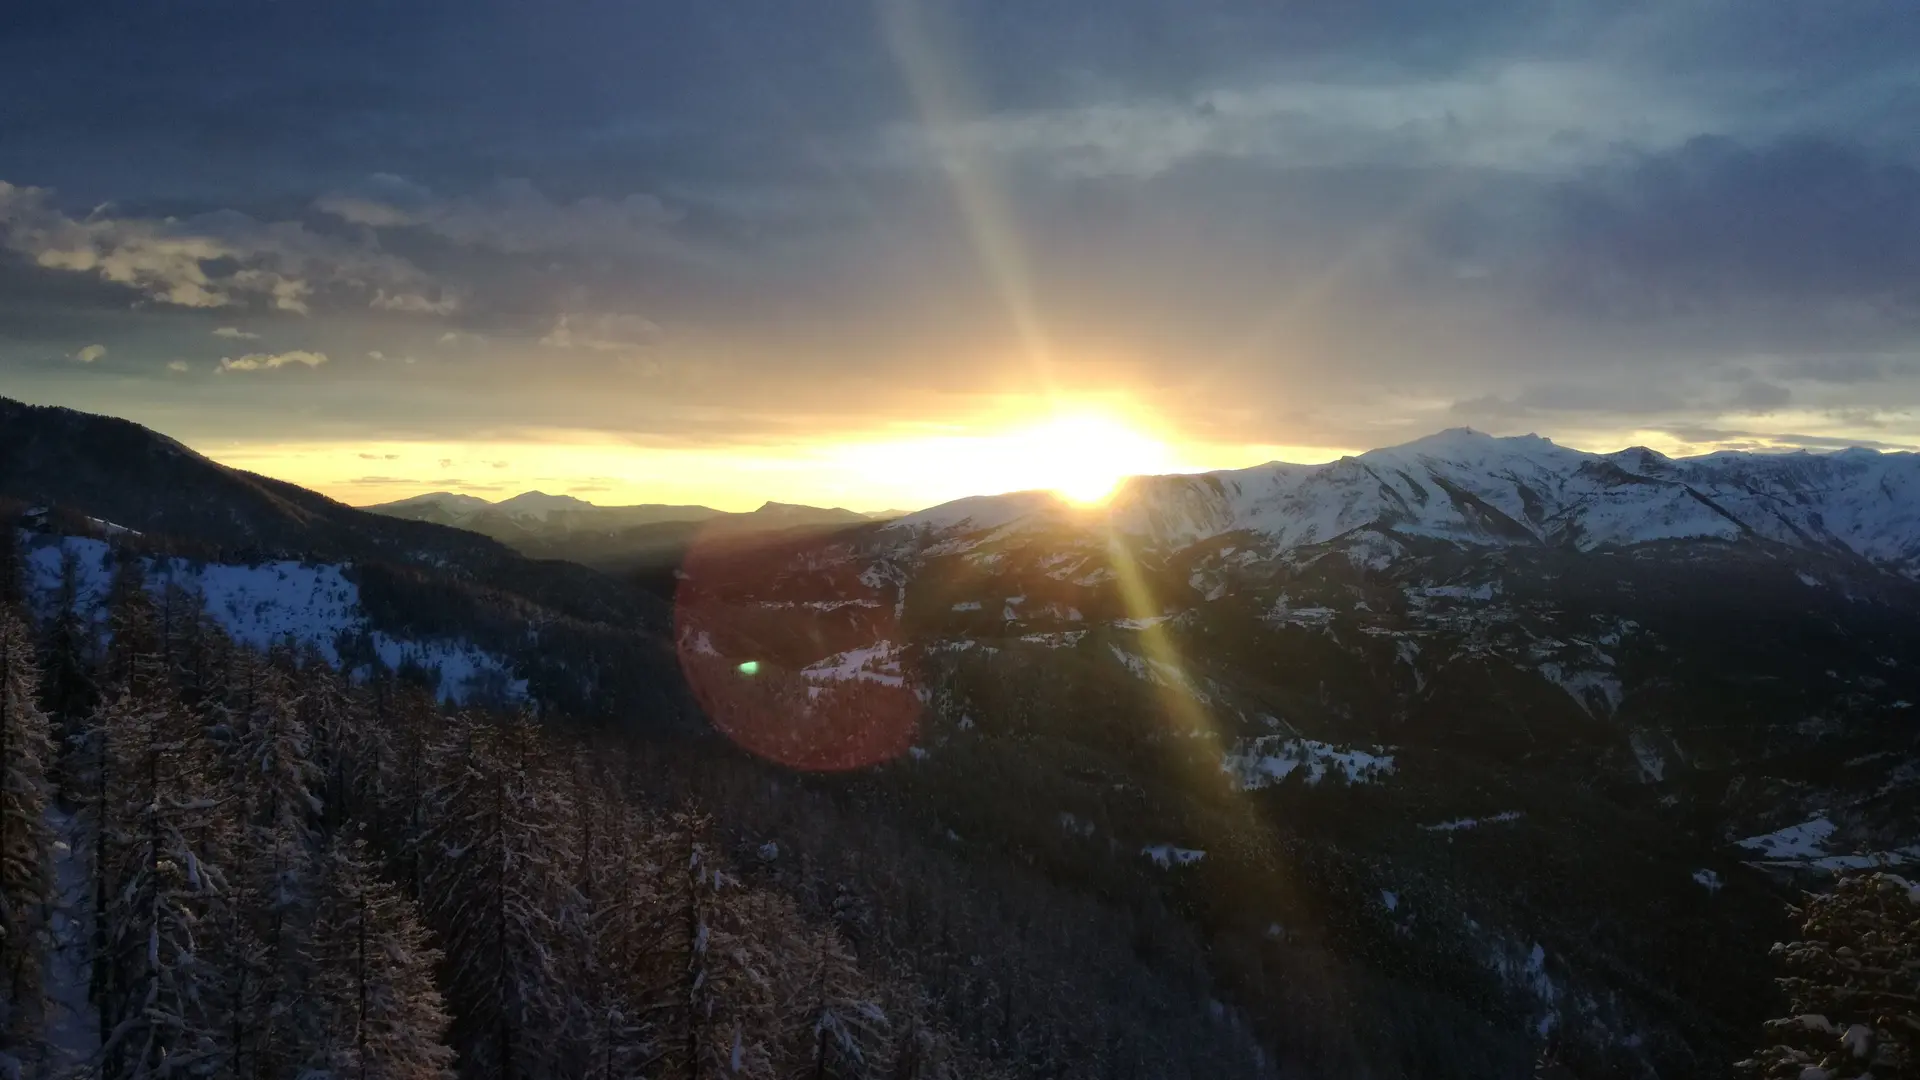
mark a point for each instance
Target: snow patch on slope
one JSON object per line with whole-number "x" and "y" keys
{"x": 266, "y": 604}
{"x": 879, "y": 663}
{"x": 1167, "y": 856}
{"x": 1270, "y": 759}
{"x": 1806, "y": 840}
{"x": 1458, "y": 824}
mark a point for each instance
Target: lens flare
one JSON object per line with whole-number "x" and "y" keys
{"x": 853, "y": 710}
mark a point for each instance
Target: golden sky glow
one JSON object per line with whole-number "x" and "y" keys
{"x": 1080, "y": 452}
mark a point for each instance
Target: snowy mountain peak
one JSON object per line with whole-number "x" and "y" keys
{"x": 1468, "y": 487}
{"x": 1465, "y": 444}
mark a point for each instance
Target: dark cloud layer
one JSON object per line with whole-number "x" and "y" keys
{"x": 1281, "y": 223}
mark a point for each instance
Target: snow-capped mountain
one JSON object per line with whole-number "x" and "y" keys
{"x": 1464, "y": 486}
{"x": 1529, "y": 720}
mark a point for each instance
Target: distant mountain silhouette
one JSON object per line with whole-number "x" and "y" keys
{"x": 564, "y": 527}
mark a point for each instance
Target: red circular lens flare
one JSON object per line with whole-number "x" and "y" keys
{"x": 850, "y": 710}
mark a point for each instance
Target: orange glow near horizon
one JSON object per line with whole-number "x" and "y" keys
{"x": 1082, "y": 451}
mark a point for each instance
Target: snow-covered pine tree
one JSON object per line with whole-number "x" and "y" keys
{"x": 25, "y": 753}
{"x": 1850, "y": 985}
{"x": 198, "y": 654}
{"x": 342, "y": 746}
{"x": 272, "y": 776}
{"x": 496, "y": 884}
{"x": 104, "y": 831}
{"x": 379, "y": 1013}
{"x": 841, "y": 1029}
{"x": 725, "y": 971}
{"x": 135, "y": 658}
{"x": 161, "y": 989}
{"x": 423, "y": 743}
{"x": 152, "y": 818}
{"x": 615, "y": 1032}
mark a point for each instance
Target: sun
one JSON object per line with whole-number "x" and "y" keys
{"x": 1084, "y": 456}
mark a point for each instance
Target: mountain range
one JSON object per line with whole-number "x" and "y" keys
{"x": 564, "y": 527}
{"x": 1403, "y": 764}
{"x": 1469, "y": 488}
{"x": 1549, "y": 736}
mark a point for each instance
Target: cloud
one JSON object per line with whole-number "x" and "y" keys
{"x": 177, "y": 365}
{"x": 1760, "y": 440}
{"x": 415, "y": 303}
{"x": 512, "y": 217}
{"x": 372, "y": 481}
{"x": 1623, "y": 398}
{"x": 1718, "y": 223}
{"x": 213, "y": 260}
{"x": 1756, "y": 395}
{"x": 270, "y": 361}
{"x": 236, "y": 333}
{"x": 601, "y": 333}
{"x": 1842, "y": 369}
{"x": 1537, "y": 115}
{"x": 89, "y": 354}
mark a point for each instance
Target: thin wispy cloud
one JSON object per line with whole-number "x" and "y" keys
{"x": 272, "y": 361}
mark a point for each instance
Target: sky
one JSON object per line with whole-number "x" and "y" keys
{"x": 858, "y": 253}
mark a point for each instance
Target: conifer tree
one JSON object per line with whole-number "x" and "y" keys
{"x": 843, "y": 1031}
{"x": 619, "y": 920}
{"x": 163, "y": 896}
{"x": 273, "y": 774}
{"x": 13, "y": 566}
{"x": 379, "y": 1013}
{"x": 135, "y": 658}
{"x": 1850, "y": 983}
{"x": 25, "y": 752}
{"x": 343, "y": 747}
{"x": 67, "y": 687}
{"x": 495, "y": 890}
{"x": 726, "y": 1004}
{"x": 402, "y": 782}
{"x": 197, "y": 655}
{"x": 154, "y": 820}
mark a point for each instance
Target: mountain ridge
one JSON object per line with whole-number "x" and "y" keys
{"x": 1464, "y": 485}
{"x": 546, "y": 526}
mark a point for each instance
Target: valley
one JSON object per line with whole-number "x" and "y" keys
{"x": 1409, "y": 764}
